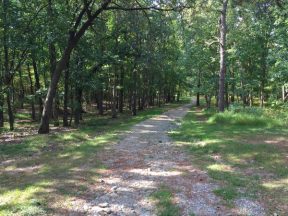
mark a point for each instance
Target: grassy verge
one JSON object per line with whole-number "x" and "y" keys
{"x": 46, "y": 174}
{"x": 245, "y": 152}
{"x": 164, "y": 202}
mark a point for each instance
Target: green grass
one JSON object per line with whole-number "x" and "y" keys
{"x": 245, "y": 152}
{"x": 164, "y": 202}
{"x": 44, "y": 173}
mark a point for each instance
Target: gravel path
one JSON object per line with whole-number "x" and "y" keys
{"x": 144, "y": 160}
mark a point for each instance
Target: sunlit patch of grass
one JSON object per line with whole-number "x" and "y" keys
{"x": 164, "y": 202}
{"x": 277, "y": 184}
{"x": 21, "y": 202}
{"x": 224, "y": 145}
{"x": 220, "y": 167}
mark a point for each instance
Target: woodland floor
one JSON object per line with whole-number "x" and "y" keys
{"x": 146, "y": 172}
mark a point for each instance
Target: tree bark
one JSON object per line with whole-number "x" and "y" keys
{"x": 22, "y": 91}
{"x": 1, "y": 98}
{"x": 66, "y": 96}
{"x": 33, "y": 116}
{"x": 1, "y": 104}
{"x": 99, "y": 96}
{"x": 7, "y": 74}
{"x": 10, "y": 109}
{"x": 78, "y": 108}
{"x": 37, "y": 84}
{"x": 134, "y": 98}
{"x": 223, "y": 31}
{"x": 121, "y": 92}
{"x": 198, "y": 93}
{"x": 74, "y": 38}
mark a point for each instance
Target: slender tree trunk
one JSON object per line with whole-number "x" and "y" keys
{"x": 223, "y": 30}
{"x": 7, "y": 74}
{"x": 226, "y": 95}
{"x": 263, "y": 78}
{"x": 1, "y": 104}
{"x": 1, "y": 97}
{"x": 33, "y": 116}
{"x": 37, "y": 84}
{"x": 22, "y": 91}
{"x": 100, "y": 95}
{"x": 134, "y": 97}
{"x": 66, "y": 96}
{"x": 233, "y": 86}
{"x": 198, "y": 93}
{"x": 78, "y": 108}
{"x": 114, "y": 112}
{"x": 121, "y": 92}
{"x": 10, "y": 109}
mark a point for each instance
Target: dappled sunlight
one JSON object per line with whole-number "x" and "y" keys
{"x": 228, "y": 151}
{"x": 221, "y": 167}
{"x": 156, "y": 173}
{"x": 277, "y": 184}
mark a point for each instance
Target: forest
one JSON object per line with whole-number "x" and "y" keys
{"x": 144, "y": 107}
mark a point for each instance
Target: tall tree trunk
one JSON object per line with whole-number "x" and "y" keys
{"x": 263, "y": 79}
{"x": 223, "y": 30}
{"x": 37, "y": 84}
{"x": 7, "y": 74}
{"x": 134, "y": 92}
{"x": 233, "y": 86}
{"x": 78, "y": 108}
{"x": 74, "y": 38}
{"x": 22, "y": 91}
{"x": 114, "y": 111}
{"x": 121, "y": 91}
{"x": 1, "y": 97}
{"x": 44, "y": 124}
{"x": 66, "y": 96}
{"x": 226, "y": 95}
{"x": 10, "y": 109}
{"x": 198, "y": 93}
{"x": 53, "y": 61}
{"x": 1, "y": 103}
{"x": 33, "y": 116}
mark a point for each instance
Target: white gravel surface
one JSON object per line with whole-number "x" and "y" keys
{"x": 145, "y": 159}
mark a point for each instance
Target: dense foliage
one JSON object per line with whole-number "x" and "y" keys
{"x": 59, "y": 58}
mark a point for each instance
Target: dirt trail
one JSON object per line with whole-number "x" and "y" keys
{"x": 144, "y": 160}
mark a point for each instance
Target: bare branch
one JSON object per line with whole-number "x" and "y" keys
{"x": 118, "y": 7}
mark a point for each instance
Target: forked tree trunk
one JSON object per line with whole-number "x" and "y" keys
{"x": 223, "y": 29}
{"x": 44, "y": 124}
{"x": 61, "y": 65}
